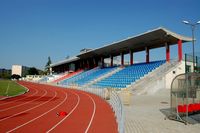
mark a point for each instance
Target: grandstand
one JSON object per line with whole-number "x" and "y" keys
{"x": 129, "y": 75}
{"x": 121, "y": 79}
{"x": 90, "y": 69}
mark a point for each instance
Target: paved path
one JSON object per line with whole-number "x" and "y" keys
{"x": 144, "y": 115}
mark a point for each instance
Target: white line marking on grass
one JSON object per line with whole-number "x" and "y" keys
{"x": 94, "y": 110}
{"x": 67, "y": 115}
{"x": 7, "y": 88}
{"x": 26, "y": 110}
{"x": 40, "y": 115}
{"x": 23, "y": 103}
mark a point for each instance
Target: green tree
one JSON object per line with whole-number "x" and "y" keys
{"x": 47, "y": 67}
{"x": 5, "y": 74}
{"x": 33, "y": 71}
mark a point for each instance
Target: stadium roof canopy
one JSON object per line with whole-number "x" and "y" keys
{"x": 71, "y": 59}
{"x": 151, "y": 39}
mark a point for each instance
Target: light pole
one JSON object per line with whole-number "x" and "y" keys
{"x": 192, "y": 25}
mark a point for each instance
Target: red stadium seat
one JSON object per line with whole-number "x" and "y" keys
{"x": 198, "y": 105}
{"x": 183, "y": 108}
{"x": 190, "y": 108}
{"x": 195, "y": 107}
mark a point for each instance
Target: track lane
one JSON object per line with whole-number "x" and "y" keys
{"x": 80, "y": 118}
{"x": 27, "y": 112}
{"x": 49, "y": 118}
{"x": 20, "y": 111}
{"x": 87, "y": 112}
{"x": 19, "y": 104}
{"x": 104, "y": 117}
{"x": 31, "y": 92}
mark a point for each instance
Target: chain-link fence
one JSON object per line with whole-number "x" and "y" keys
{"x": 192, "y": 64}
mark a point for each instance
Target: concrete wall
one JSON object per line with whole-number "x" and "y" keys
{"x": 171, "y": 74}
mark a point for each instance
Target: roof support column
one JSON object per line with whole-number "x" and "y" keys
{"x": 147, "y": 54}
{"x": 94, "y": 62}
{"x": 179, "y": 50}
{"x": 81, "y": 64}
{"x": 88, "y": 64}
{"x": 122, "y": 59}
{"x": 102, "y": 62}
{"x": 131, "y": 57}
{"x": 84, "y": 64}
{"x": 111, "y": 60}
{"x": 167, "y": 52}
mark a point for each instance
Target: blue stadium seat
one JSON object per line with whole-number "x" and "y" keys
{"x": 87, "y": 76}
{"x": 129, "y": 75}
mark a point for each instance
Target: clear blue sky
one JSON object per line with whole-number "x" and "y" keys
{"x": 32, "y": 30}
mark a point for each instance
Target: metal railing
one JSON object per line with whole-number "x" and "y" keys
{"x": 117, "y": 107}
{"x": 154, "y": 75}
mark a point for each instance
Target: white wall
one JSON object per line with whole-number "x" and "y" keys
{"x": 17, "y": 69}
{"x": 33, "y": 77}
{"x": 180, "y": 69}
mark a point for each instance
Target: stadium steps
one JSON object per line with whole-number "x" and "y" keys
{"x": 154, "y": 80}
{"x": 66, "y": 76}
{"x": 91, "y": 83}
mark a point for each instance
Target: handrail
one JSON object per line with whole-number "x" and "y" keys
{"x": 158, "y": 73}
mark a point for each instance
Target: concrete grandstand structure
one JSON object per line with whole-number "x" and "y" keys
{"x": 91, "y": 63}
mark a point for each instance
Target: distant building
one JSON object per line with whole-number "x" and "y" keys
{"x": 20, "y": 70}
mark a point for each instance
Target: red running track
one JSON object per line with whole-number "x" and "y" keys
{"x": 36, "y": 111}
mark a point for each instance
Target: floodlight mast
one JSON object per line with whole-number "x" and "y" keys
{"x": 193, "y": 26}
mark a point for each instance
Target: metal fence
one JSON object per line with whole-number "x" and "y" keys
{"x": 191, "y": 62}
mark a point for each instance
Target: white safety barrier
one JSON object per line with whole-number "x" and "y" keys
{"x": 117, "y": 106}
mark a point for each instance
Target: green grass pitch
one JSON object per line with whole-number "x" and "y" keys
{"x": 10, "y": 88}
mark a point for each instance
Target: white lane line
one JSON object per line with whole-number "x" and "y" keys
{"x": 93, "y": 114}
{"x": 66, "y": 115}
{"x": 1, "y": 110}
{"x": 25, "y": 110}
{"x": 39, "y": 115}
{"x": 35, "y": 92}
